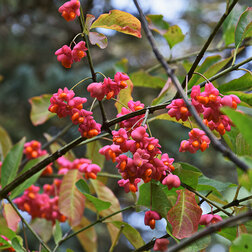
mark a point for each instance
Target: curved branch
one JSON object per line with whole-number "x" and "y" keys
{"x": 209, "y": 40}
{"x": 38, "y": 167}
{"x": 216, "y": 144}
{"x": 241, "y": 218}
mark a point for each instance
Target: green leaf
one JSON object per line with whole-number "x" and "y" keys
{"x": 242, "y": 122}
{"x": 130, "y": 233}
{"x": 187, "y": 173}
{"x": 244, "y": 26}
{"x": 174, "y": 35}
{"x": 11, "y": 163}
{"x": 214, "y": 69}
{"x": 57, "y": 233}
{"x": 241, "y": 84}
{"x": 230, "y": 24}
{"x": 245, "y": 179}
{"x": 98, "y": 39}
{"x": 87, "y": 238}
{"x": 71, "y": 200}
{"x": 5, "y": 143}
{"x": 209, "y": 61}
{"x": 242, "y": 243}
{"x": 124, "y": 96}
{"x": 17, "y": 244}
{"x": 120, "y": 21}
{"x": 82, "y": 186}
{"x": 93, "y": 153}
{"x": 229, "y": 233}
{"x": 154, "y": 194}
{"x": 19, "y": 189}
{"x": 4, "y": 242}
{"x": 122, "y": 65}
{"x": 98, "y": 203}
{"x": 184, "y": 216}
{"x": 167, "y": 93}
{"x": 39, "y": 109}
{"x": 242, "y": 147}
{"x": 173, "y": 119}
{"x": 157, "y": 24}
{"x": 198, "y": 245}
{"x": 208, "y": 184}
{"x": 43, "y": 228}
{"x": 143, "y": 79}
{"x": 4, "y": 230}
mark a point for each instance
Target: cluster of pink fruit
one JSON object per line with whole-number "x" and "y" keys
{"x": 208, "y": 103}
{"x": 45, "y": 204}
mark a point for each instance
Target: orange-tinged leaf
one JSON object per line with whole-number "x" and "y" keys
{"x": 39, "y": 109}
{"x": 120, "y": 21}
{"x": 87, "y": 238}
{"x": 185, "y": 215}
{"x": 11, "y": 217}
{"x": 71, "y": 200}
{"x": 124, "y": 96}
{"x": 104, "y": 193}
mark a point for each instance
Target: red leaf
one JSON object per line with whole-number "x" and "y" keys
{"x": 120, "y": 21}
{"x": 71, "y": 200}
{"x": 11, "y": 217}
{"x": 184, "y": 216}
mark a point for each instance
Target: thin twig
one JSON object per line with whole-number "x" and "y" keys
{"x": 91, "y": 225}
{"x": 150, "y": 244}
{"x": 27, "y": 225}
{"x": 234, "y": 203}
{"x": 207, "y": 43}
{"x": 163, "y": 105}
{"x": 215, "y": 142}
{"x": 206, "y": 199}
{"x": 187, "y": 56}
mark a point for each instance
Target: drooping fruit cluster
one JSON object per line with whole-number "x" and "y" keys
{"x": 109, "y": 87}
{"x": 136, "y": 156}
{"x": 64, "y": 103}
{"x": 150, "y": 218}
{"x": 135, "y": 121}
{"x": 197, "y": 140}
{"x": 40, "y": 205}
{"x": 70, "y": 10}
{"x": 207, "y": 219}
{"x": 208, "y": 103}
{"x": 83, "y": 165}
{"x": 67, "y": 56}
